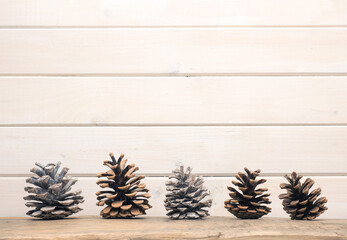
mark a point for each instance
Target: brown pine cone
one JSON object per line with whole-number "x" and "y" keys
{"x": 249, "y": 202}
{"x": 298, "y": 202}
{"x": 125, "y": 197}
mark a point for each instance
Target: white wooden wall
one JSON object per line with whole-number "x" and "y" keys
{"x": 215, "y": 84}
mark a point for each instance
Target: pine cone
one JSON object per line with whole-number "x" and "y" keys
{"x": 185, "y": 197}
{"x": 126, "y": 197}
{"x": 50, "y": 198}
{"x": 247, "y": 204}
{"x": 298, "y": 202}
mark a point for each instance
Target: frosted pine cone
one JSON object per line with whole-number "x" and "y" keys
{"x": 51, "y": 197}
{"x": 185, "y": 197}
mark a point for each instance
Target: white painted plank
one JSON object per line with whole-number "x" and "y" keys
{"x": 172, "y": 12}
{"x": 188, "y": 51}
{"x": 211, "y": 150}
{"x": 173, "y": 100}
{"x": 13, "y": 204}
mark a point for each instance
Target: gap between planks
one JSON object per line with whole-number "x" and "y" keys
{"x": 39, "y": 125}
{"x": 235, "y": 74}
{"x": 212, "y": 175}
{"x": 169, "y": 27}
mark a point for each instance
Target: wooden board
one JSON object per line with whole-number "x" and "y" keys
{"x": 157, "y": 150}
{"x": 91, "y": 227}
{"x": 173, "y": 100}
{"x": 332, "y": 188}
{"x": 172, "y": 13}
{"x": 176, "y": 51}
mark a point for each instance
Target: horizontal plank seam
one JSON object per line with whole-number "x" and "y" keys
{"x": 150, "y": 77}
{"x": 164, "y": 26}
{"x": 265, "y": 74}
{"x": 69, "y": 125}
{"x": 207, "y": 175}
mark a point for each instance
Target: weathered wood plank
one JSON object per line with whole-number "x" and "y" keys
{"x": 172, "y": 13}
{"x": 211, "y": 228}
{"x": 161, "y": 228}
{"x": 211, "y": 150}
{"x": 173, "y": 100}
{"x": 332, "y": 188}
{"x": 170, "y": 52}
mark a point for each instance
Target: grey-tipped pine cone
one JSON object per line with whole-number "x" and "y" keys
{"x": 185, "y": 197}
{"x": 51, "y": 197}
{"x": 248, "y": 203}
{"x": 125, "y": 197}
{"x": 298, "y": 202}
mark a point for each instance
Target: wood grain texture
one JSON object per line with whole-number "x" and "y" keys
{"x": 172, "y": 13}
{"x": 332, "y": 188}
{"x": 173, "y": 100}
{"x": 91, "y": 227}
{"x": 170, "y": 52}
{"x": 211, "y": 150}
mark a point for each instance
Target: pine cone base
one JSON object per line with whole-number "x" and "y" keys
{"x": 247, "y": 215}
{"x": 48, "y": 215}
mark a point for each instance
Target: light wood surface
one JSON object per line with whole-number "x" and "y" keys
{"x": 170, "y": 52}
{"x": 173, "y": 100}
{"x": 168, "y": 13}
{"x": 332, "y": 188}
{"x": 215, "y": 84}
{"x": 162, "y": 228}
{"x": 158, "y": 150}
